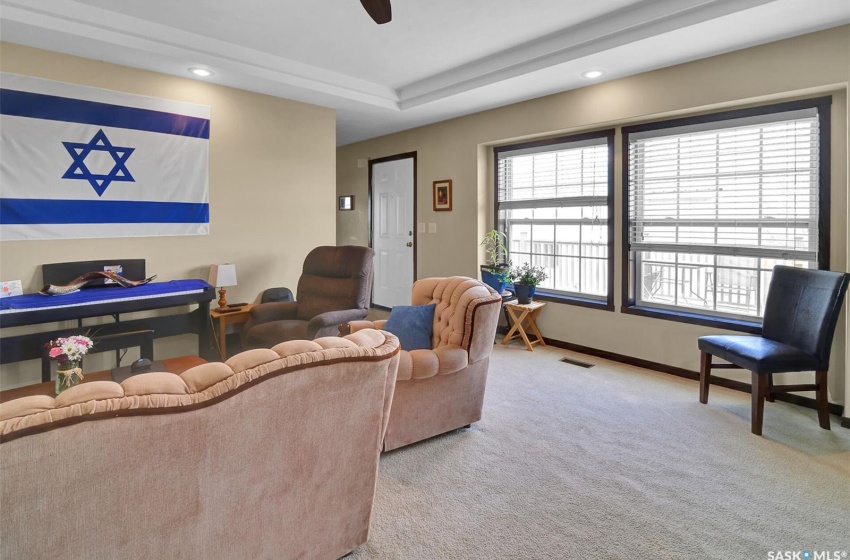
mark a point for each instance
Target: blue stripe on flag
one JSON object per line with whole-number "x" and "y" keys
{"x": 45, "y": 211}
{"x": 50, "y": 107}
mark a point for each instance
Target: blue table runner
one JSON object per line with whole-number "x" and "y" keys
{"x": 101, "y": 293}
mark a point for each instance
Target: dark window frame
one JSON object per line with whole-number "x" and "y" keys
{"x": 628, "y": 263}
{"x": 608, "y": 135}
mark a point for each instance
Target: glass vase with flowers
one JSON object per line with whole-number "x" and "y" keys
{"x": 68, "y": 353}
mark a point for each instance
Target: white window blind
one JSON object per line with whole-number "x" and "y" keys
{"x": 558, "y": 175}
{"x": 742, "y": 187}
{"x": 552, "y": 203}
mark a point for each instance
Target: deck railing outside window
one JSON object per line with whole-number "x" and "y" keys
{"x": 715, "y": 202}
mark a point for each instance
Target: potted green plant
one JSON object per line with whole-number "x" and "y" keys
{"x": 525, "y": 279}
{"x": 496, "y": 272}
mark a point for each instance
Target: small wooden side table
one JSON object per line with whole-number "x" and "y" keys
{"x": 231, "y": 318}
{"x": 524, "y": 316}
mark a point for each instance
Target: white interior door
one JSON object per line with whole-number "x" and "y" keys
{"x": 392, "y": 231}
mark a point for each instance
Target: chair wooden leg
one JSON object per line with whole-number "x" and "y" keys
{"x": 822, "y": 399}
{"x": 769, "y": 396}
{"x": 759, "y": 383}
{"x": 704, "y": 376}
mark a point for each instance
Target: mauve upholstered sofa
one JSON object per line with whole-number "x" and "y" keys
{"x": 273, "y": 454}
{"x": 442, "y": 388}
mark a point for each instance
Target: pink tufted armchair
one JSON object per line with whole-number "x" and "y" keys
{"x": 442, "y": 389}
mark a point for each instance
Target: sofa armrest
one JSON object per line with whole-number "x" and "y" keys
{"x": 485, "y": 319}
{"x": 425, "y": 363}
{"x": 333, "y": 319}
{"x": 274, "y": 311}
{"x": 360, "y": 325}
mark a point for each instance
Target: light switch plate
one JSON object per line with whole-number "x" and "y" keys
{"x": 432, "y": 227}
{"x": 420, "y": 227}
{"x": 362, "y": 162}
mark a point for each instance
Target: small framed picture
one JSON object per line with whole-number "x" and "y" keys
{"x": 116, "y": 268}
{"x": 346, "y": 202}
{"x": 442, "y": 195}
{"x": 11, "y": 288}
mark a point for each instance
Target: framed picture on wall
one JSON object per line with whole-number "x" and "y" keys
{"x": 346, "y": 202}
{"x": 443, "y": 195}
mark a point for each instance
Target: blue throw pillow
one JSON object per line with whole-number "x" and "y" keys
{"x": 413, "y": 325}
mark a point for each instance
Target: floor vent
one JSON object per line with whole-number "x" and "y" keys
{"x": 576, "y": 363}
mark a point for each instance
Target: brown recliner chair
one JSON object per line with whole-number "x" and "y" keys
{"x": 335, "y": 287}
{"x": 442, "y": 388}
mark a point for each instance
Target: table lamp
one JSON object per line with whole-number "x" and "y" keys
{"x": 222, "y": 275}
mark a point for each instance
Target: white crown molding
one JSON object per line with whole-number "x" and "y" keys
{"x": 644, "y": 36}
{"x": 624, "y": 26}
{"x": 628, "y": 25}
{"x": 76, "y": 19}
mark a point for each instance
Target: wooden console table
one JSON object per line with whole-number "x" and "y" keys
{"x": 231, "y": 318}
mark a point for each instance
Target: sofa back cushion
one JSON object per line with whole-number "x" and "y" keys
{"x": 455, "y": 298}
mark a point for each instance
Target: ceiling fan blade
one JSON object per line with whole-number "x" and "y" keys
{"x": 379, "y": 10}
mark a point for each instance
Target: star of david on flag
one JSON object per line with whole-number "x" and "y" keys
{"x": 99, "y": 182}
{"x": 81, "y": 162}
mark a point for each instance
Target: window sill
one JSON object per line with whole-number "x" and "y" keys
{"x": 740, "y": 325}
{"x": 574, "y": 300}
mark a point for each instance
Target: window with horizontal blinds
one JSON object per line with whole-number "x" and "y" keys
{"x": 553, "y": 204}
{"x": 714, "y": 204}
{"x": 746, "y": 187}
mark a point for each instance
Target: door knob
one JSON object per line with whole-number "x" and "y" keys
{"x": 410, "y": 244}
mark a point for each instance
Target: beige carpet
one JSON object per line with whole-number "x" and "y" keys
{"x": 613, "y": 462}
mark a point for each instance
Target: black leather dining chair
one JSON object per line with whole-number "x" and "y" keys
{"x": 800, "y": 315}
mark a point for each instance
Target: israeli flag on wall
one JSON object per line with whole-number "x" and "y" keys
{"x": 78, "y": 162}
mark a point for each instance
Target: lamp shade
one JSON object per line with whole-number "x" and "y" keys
{"x": 223, "y": 274}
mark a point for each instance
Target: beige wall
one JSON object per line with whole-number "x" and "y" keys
{"x": 266, "y": 154}
{"x": 458, "y": 149}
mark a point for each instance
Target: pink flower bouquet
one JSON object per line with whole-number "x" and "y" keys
{"x": 69, "y": 351}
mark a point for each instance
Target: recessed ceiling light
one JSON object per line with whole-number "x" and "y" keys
{"x": 202, "y": 72}
{"x": 592, "y": 74}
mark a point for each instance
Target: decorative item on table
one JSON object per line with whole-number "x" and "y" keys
{"x": 222, "y": 275}
{"x": 11, "y": 288}
{"x": 495, "y": 272}
{"x": 525, "y": 279}
{"x": 81, "y": 281}
{"x": 115, "y": 269}
{"x": 442, "y": 195}
{"x": 68, "y": 353}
